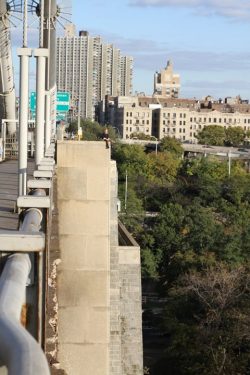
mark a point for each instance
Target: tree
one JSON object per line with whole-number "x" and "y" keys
{"x": 171, "y": 145}
{"x": 213, "y": 135}
{"x": 130, "y": 158}
{"x": 234, "y": 136}
{"x": 162, "y": 167}
{"x": 223, "y": 295}
{"x": 92, "y": 130}
{"x": 140, "y": 136}
{"x": 206, "y": 320}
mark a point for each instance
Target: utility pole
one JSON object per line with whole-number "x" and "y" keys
{"x": 229, "y": 163}
{"x": 126, "y": 191}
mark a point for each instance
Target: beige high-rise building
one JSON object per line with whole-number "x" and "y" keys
{"x": 89, "y": 69}
{"x": 126, "y": 72}
{"x": 167, "y": 83}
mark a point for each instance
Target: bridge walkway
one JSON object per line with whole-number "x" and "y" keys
{"x": 9, "y": 191}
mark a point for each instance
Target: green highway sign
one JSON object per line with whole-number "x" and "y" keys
{"x": 62, "y": 105}
{"x": 63, "y": 99}
{"x": 61, "y": 116}
{"x": 33, "y": 102}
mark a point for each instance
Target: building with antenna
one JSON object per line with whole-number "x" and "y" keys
{"x": 166, "y": 82}
{"x": 89, "y": 69}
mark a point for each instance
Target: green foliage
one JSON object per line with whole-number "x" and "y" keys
{"x": 193, "y": 244}
{"x": 234, "y": 136}
{"x": 171, "y": 145}
{"x": 130, "y": 158}
{"x": 206, "y": 317}
{"x": 216, "y": 135}
{"x": 162, "y": 167}
{"x": 92, "y": 130}
{"x": 213, "y": 135}
{"x": 140, "y": 136}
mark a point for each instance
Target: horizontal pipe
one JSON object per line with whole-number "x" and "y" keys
{"x": 19, "y": 351}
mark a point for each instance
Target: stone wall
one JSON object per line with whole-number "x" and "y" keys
{"x": 98, "y": 280}
{"x": 83, "y": 172}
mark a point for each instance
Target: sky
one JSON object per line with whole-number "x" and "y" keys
{"x": 207, "y": 40}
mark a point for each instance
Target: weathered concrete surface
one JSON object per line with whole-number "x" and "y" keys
{"x": 83, "y": 173}
{"x": 130, "y": 304}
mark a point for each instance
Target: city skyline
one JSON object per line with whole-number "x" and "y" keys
{"x": 204, "y": 39}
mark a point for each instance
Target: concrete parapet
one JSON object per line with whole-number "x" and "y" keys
{"x": 98, "y": 276}
{"x": 83, "y": 171}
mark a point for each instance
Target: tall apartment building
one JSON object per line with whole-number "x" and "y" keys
{"x": 178, "y": 118}
{"x": 166, "y": 82}
{"x": 126, "y": 72}
{"x": 89, "y": 69}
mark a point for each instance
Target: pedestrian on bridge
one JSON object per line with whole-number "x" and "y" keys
{"x": 106, "y": 138}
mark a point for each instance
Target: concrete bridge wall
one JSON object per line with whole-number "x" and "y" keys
{"x": 98, "y": 278}
{"x": 84, "y": 273}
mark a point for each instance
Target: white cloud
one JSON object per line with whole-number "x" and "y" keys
{"x": 227, "y": 8}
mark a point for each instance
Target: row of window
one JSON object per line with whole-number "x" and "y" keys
{"x": 137, "y": 129}
{"x": 191, "y": 134}
{"x": 138, "y": 114}
{"x": 137, "y": 122}
{"x": 174, "y": 115}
